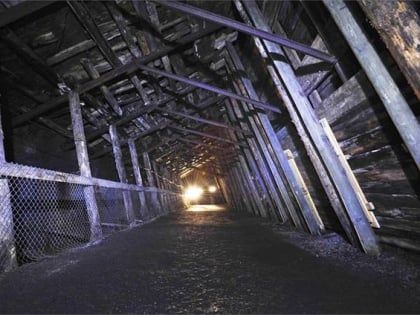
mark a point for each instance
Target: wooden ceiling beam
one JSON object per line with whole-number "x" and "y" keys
{"x": 124, "y": 69}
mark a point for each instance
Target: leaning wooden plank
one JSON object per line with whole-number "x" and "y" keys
{"x": 304, "y": 188}
{"x": 354, "y": 211}
{"x": 394, "y": 102}
{"x": 367, "y": 206}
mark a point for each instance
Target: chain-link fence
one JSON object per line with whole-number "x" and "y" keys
{"x": 41, "y": 217}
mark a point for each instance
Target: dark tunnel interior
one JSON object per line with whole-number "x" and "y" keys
{"x": 209, "y": 156}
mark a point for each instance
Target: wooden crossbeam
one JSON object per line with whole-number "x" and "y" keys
{"x": 124, "y": 69}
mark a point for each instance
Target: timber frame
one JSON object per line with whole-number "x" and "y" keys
{"x": 165, "y": 88}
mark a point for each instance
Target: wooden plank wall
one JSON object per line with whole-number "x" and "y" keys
{"x": 368, "y": 138}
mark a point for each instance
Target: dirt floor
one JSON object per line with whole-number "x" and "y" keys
{"x": 214, "y": 262}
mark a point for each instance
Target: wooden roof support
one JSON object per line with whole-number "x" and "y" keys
{"x": 124, "y": 69}
{"x": 122, "y": 175}
{"x": 199, "y": 119}
{"x": 130, "y": 117}
{"x": 145, "y": 133}
{"x": 82, "y": 13}
{"x": 7, "y": 244}
{"x": 203, "y": 134}
{"x": 395, "y": 104}
{"x": 273, "y": 150}
{"x": 398, "y": 24}
{"x": 354, "y": 212}
{"x": 84, "y": 165}
{"x": 109, "y": 97}
{"x": 246, "y": 29}
{"x": 210, "y": 88}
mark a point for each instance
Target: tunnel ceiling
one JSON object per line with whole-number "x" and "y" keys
{"x": 74, "y": 45}
{"x": 98, "y": 49}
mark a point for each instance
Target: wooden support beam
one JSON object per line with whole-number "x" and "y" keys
{"x": 82, "y": 13}
{"x": 70, "y": 52}
{"x": 136, "y": 172}
{"x": 210, "y": 88}
{"x": 122, "y": 175}
{"x": 398, "y": 24}
{"x": 152, "y": 197}
{"x": 124, "y": 69}
{"x": 199, "y": 119}
{"x": 367, "y": 206}
{"x": 8, "y": 260}
{"x": 140, "y": 135}
{"x": 158, "y": 181}
{"x": 109, "y": 97}
{"x": 259, "y": 166}
{"x": 84, "y": 165}
{"x": 304, "y": 188}
{"x": 203, "y": 134}
{"x": 399, "y": 111}
{"x": 273, "y": 150}
{"x": 354, "y": 212}
{"x": 246, "y": 29}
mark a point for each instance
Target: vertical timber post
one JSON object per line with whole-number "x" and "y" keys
{"x": 161, "y": 196}
{"x": 354, "y": 211}
{"x": 8, "y": 260}
{"x": 149, "y": 174}
{"x": 84, "y": 165}
{"x": 137, "y": 174}
{"x": 122, "y": 175}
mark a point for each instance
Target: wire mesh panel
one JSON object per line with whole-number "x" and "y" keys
{"x": 136, "y": 205}
{"x": 111, "y": 209}
{"x": 47, "y": 217}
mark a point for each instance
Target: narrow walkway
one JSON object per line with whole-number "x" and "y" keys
{"x": 199, "y": 262}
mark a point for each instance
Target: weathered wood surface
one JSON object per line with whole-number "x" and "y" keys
{"x": 84, "y": 165}
{"x": 394, "y": 102}
{"x": 359, "y": 224}
{"x": 398, "y": 24}
{"x": 385, "y": 171}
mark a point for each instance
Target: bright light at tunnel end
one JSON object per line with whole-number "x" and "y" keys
{"x": 193, "y": 193}
{"x": 212, "y": 189}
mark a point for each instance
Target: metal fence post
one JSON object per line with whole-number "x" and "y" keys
{"x": 84, "y": 165}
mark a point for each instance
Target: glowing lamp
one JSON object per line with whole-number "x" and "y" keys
{"x": 193, "y": 193}
{"x": 212, "y": 189}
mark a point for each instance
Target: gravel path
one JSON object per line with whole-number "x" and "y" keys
{"x": 202, "y": 262}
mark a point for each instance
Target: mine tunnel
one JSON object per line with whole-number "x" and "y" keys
{"x": 209, "y": 156}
